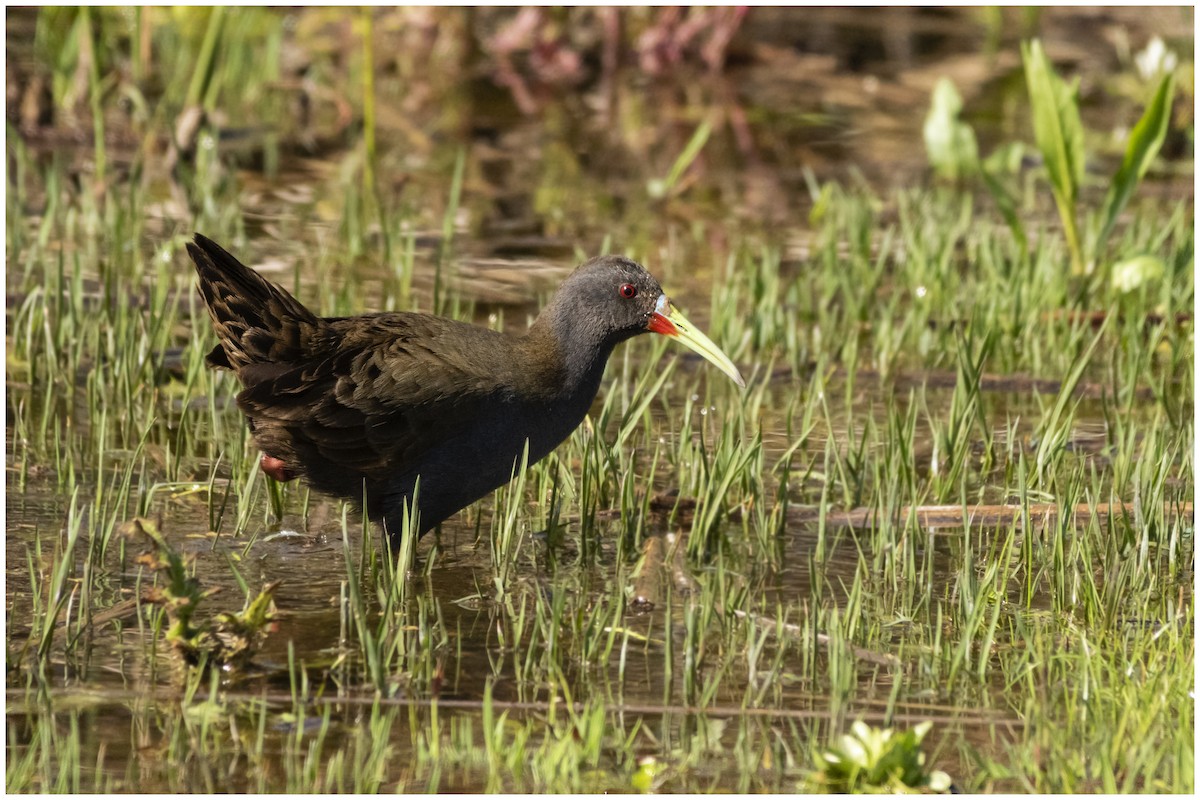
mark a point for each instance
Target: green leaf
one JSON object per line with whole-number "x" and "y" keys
{"x": 949, "y": 142}
{"x": 1144, "y": 143}
{"x": 1059, "y": 135}
{"x": 1056, "y": 124}
{"x": 877, "y": 760}
{"x": 1133, "y": 273}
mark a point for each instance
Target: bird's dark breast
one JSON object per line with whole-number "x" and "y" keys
{"x": 468, "y": 467}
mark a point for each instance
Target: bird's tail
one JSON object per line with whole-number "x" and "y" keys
{"x": 256, "y": 321}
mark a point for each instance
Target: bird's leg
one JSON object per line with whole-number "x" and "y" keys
{"x": 276, "y": 468}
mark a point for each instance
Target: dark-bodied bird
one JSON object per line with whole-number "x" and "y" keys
{"x": 360, "y": 407}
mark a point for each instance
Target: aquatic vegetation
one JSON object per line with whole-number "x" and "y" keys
{"x": 231, "y": 640}
{"x": 868, "y": 760}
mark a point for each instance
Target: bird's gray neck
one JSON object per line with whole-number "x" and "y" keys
{"x": 575, "y": 344}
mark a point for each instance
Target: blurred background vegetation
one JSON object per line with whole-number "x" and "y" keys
{"x": 571, "y": 118}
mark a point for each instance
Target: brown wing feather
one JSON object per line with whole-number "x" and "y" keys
{"x": 375, "y": 404}
{"x": 255, "y": 320}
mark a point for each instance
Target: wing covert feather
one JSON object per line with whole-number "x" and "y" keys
{"x": 381, "y": 397}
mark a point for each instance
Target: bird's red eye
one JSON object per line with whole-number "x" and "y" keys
{"x": 628, "y": 291}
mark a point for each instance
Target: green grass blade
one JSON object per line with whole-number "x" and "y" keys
{"x": 94, "y": 92}
{"x": 664, "y": 187}
{"x": 1007, "y": 205}
{"x": 1054, "y": 430}
{"x": 448, "y": 218}
{"x": 368, "y": 90}
{"x": 206, "y": 59}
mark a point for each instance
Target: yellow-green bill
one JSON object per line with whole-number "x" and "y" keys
{"x": 667, "y": 321}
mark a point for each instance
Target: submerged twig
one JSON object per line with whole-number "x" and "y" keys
{"x": 950, "y": 714}
{"x": 861, "y": 653}
{"x": 661, "y": 554}
{"x": 973, "y": 516}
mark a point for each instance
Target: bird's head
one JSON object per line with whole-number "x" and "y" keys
{"x": 609, "y": 299}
